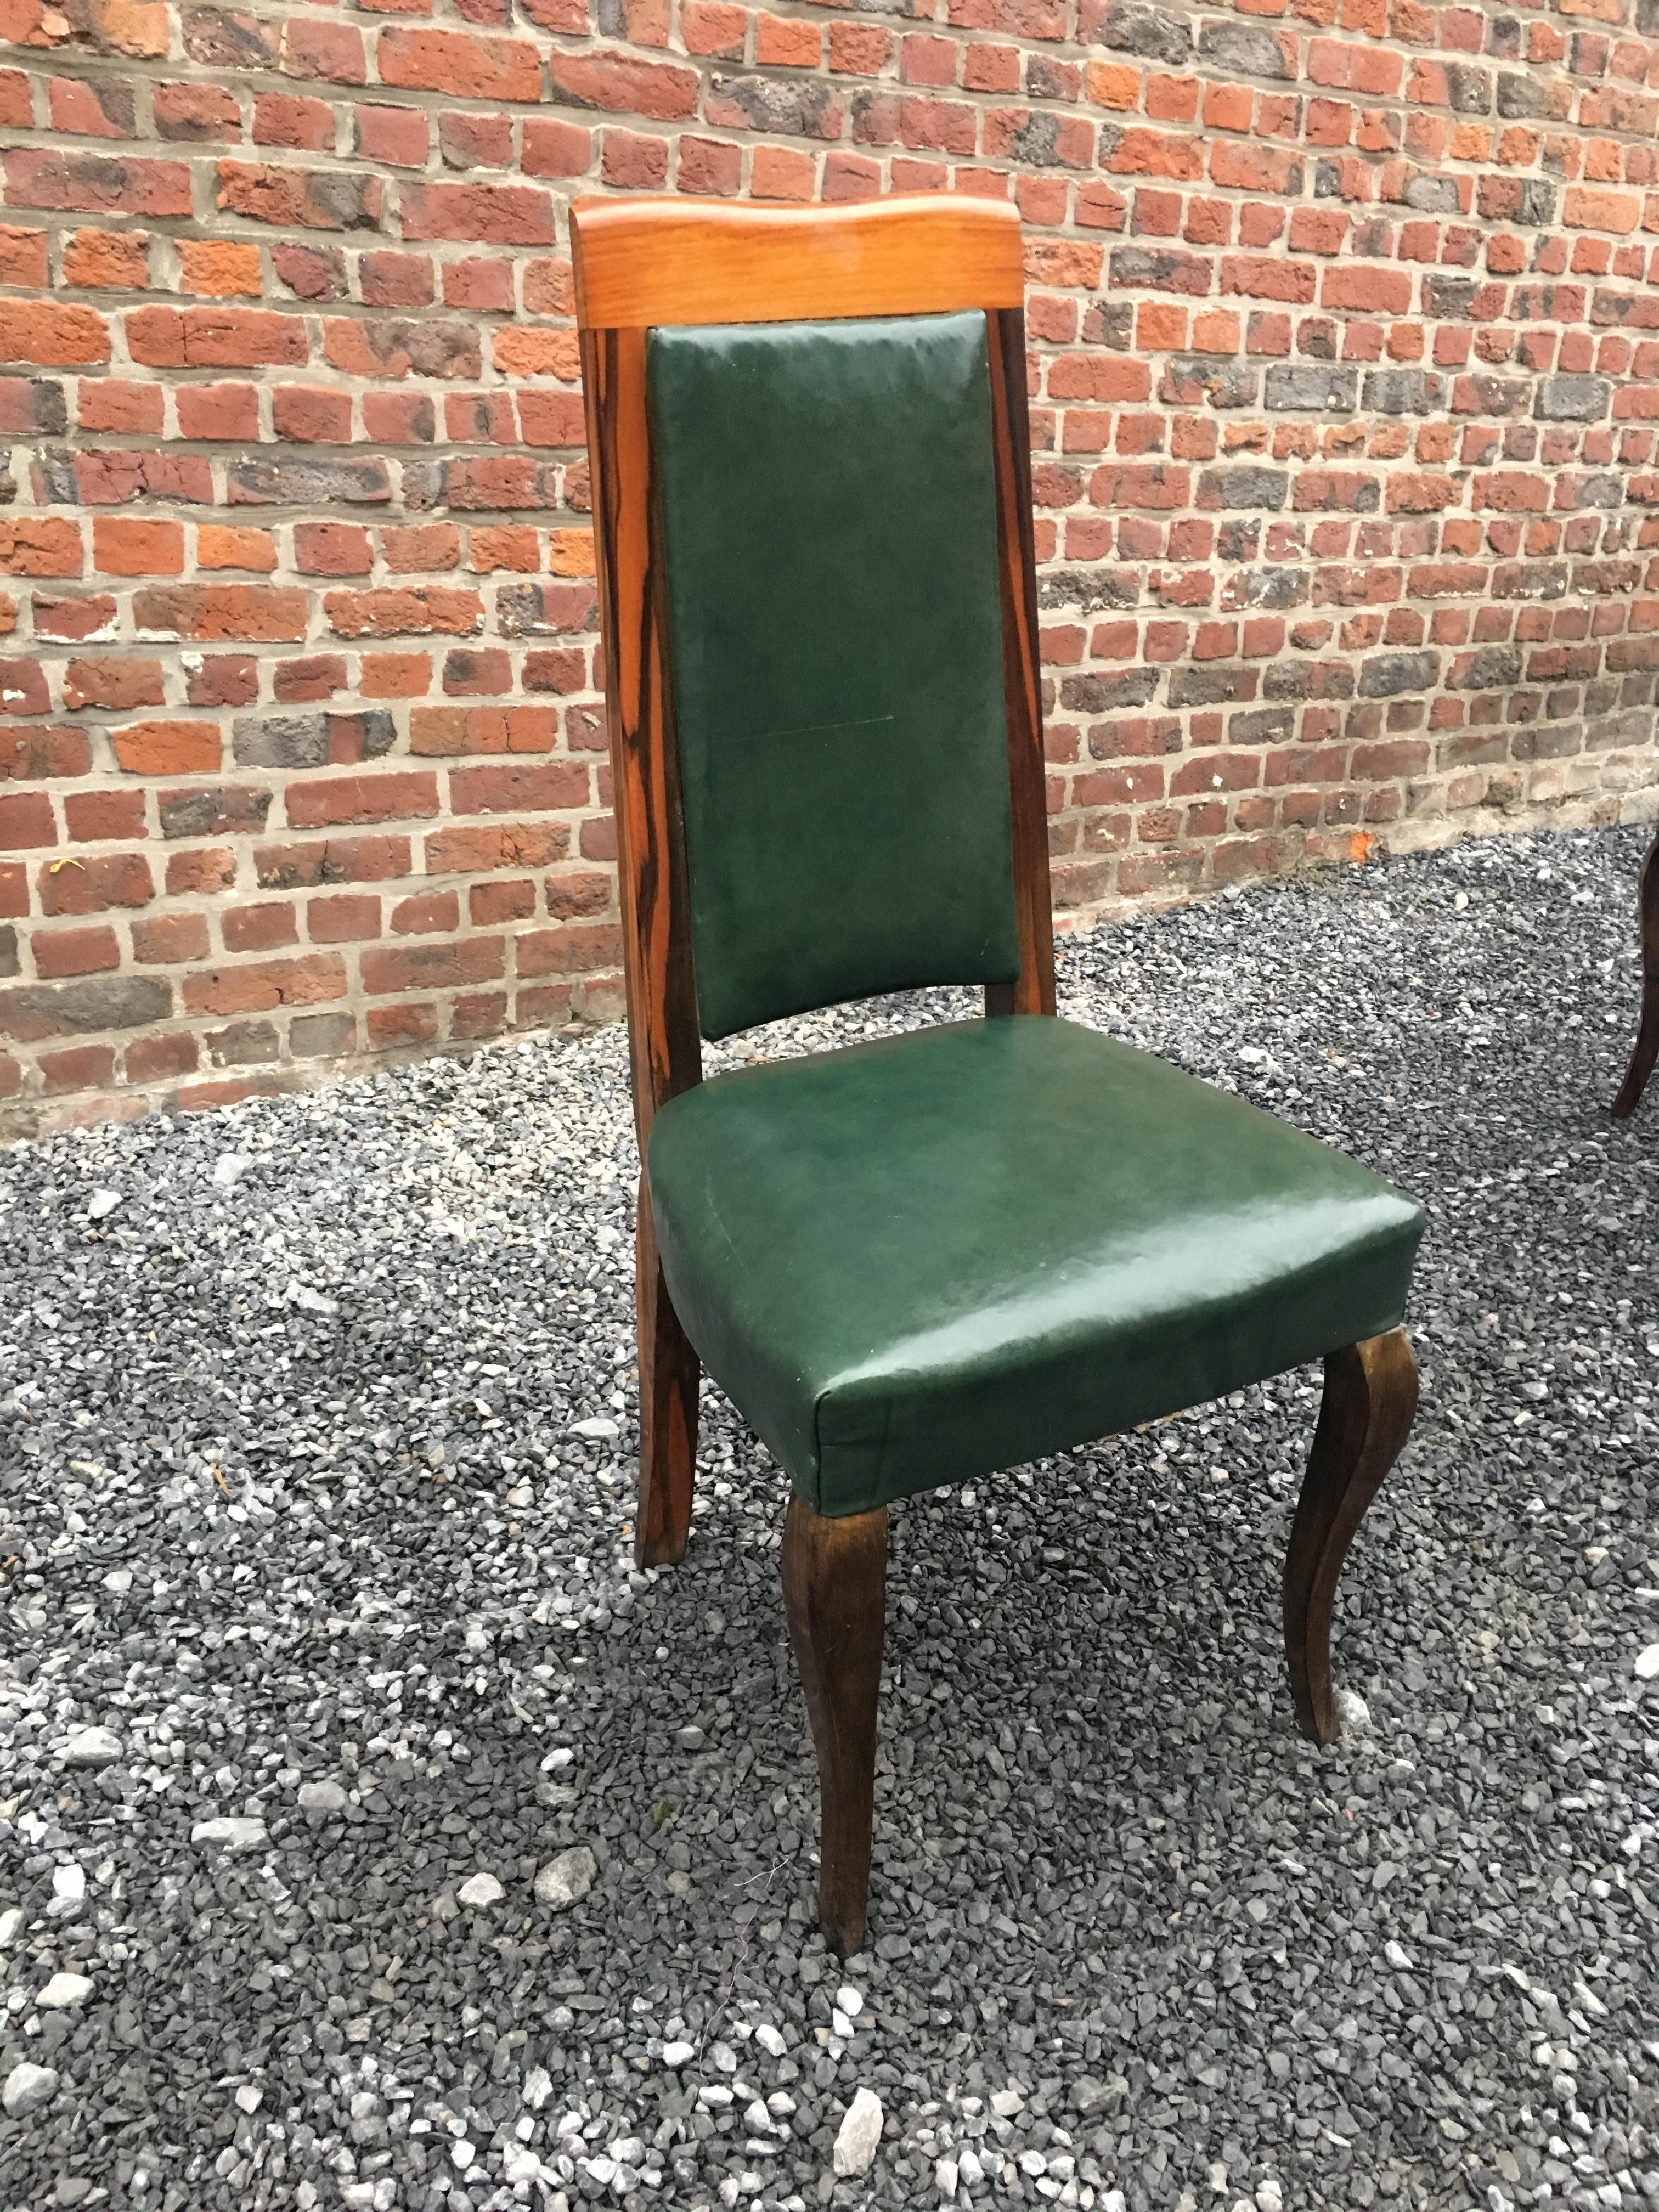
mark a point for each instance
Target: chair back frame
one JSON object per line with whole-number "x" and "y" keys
{"x": 644, "y": 262}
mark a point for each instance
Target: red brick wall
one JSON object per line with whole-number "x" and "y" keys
{"x": 1344, "y": 380}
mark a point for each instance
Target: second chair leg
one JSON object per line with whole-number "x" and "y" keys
{"x": 835, "y": 1594}
{"x": 1646, "y": 1048}
{"x": 669, "y": 1375}
{"x": 1370, "y": 1397}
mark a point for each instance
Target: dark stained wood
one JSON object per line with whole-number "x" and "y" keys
{"x": 664, "y": 1046}
{"x": 1370, "y": 1397}
{"x": 1646, "y": 1048}
{"x": 669, "y": 1375}
{"x": 641, "y": 260}
{"x": 1028, "y": 782}
{"x": 834, "y": 1594}
{"x": 662, "y": 1001}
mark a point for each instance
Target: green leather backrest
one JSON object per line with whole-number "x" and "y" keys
{"x": 828, "y": 509}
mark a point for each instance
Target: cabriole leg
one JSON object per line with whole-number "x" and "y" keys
{"x": 834, "y": 1592}
{"x": 668, "y": 1408}
{"x": 1370, "y": 1396}
{"x": 1646, "y": 1049}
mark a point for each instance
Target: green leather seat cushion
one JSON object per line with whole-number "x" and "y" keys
{"x": 922, "y": 1259}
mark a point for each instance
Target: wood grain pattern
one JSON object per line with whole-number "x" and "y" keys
{"x": 640, "y": 261}
{"x": 662, "y": 1002}
{"x": 669, "y": 1377}
{"x": 834, "y": 1596}
{"x": 1028, "y": 781}
{"x": 1646, "y": 1050}
{"x": 664, "y": 1046}
{"x": 1370, "y": 1398}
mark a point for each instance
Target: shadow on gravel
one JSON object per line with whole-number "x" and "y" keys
{"x": 411, "y": 1851}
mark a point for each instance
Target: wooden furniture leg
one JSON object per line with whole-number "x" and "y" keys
{"x": 834, "y": 1592}
{"x": 1646, "y": 1049}
{"x": 668, "y": 1408}
{"x": 1370, "y": 1396}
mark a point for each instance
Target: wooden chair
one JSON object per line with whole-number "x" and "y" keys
{"x": 1646, "y": 1050}
{"x": 920, "y": 1259}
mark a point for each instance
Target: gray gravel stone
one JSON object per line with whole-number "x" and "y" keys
{"x": 563, "y": 1881}
{"x": 91, "y": 1747}
{"x": 1124, "y": 1920}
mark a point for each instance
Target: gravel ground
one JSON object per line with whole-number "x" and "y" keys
{"x": 371, "y": 1834}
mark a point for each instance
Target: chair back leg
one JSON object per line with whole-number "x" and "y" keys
{"x": 1370, "y": 1397}
{"x": 835, "y": 1594}
{"x": 1646, "y": 1048}
{"x": 669, "y": 1375}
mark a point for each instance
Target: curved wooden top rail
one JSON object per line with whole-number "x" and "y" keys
{"x": 644, "y": 261}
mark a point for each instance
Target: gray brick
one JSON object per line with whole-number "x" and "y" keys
{"x": 1388, "y": 674}
{"x": 321, "y": 1037}
{"x": 1157, "y": 34}
{"x": 1246, "y": 49}
{"x": 280, "y": 741}
{"x": 244, "y": 1044}
{"x": 1103, "y": 694}
{"x": 1572, "y": 399}
{"x": 112, "y": 1002}
{"x": 1401, "y": 392}
{"x": 1492, "y": 666}
{"x": 1251, "y": 486}
{"x": 1304, "y": 385}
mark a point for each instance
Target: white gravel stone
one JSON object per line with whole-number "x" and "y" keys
{"x": 945, "y": 2174}
{"x": 599, "y": 1429}
{"x": 28, "y": 2089}
{"x": 480, "y": 1890}
{"x": 10, "y": 1921}
{"x": 1647, "y": 1663}
{"x": 538, "y": 2088}
{"x": 858, "y": 2134}
{"x": 322, "y": 1797}
{"x": 68, "y": 1887}
{"x": 231, "y": 1832}
{"x": 91, "y": 1747}
{"x": 769, "y": 2040}
{"x": 564, "y": 1880}
{"x": 230, "y": 1169}
{"x": 250, "y": 2097}
{"x": 678, "y": 2054}
{"x": 1354, "y": 1712}
{"x": 64, "y": 1991}
{"x": 849, "y": 2000}
{"x": 102, "y": 1204}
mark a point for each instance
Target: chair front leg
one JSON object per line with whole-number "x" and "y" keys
{"x": 1370, "y": 1396}
{"x": 669, "y": 1374}
{"x": 835, "y": 1594}
{"x": 1646, "y": 1048}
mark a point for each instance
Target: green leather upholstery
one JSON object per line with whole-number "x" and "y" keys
{"x": 923, "y": 1259}
{"x": 828, "y": 517}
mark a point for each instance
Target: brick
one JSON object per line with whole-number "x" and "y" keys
{"x": 93, "y": 883}
{"x": 389, "y": 798}
{"x": 60, "y": 953}
{"x": 113, "y": 682}
{"x": 214, "y": 612}
{"x": 461, "y": 64}
{"x": 93, "y": 184}
{"x": 169, "y": 940}
{"x": 126, "y": 546}
{"x": 257, "y": 986}
{"x": 432, "y": 967}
